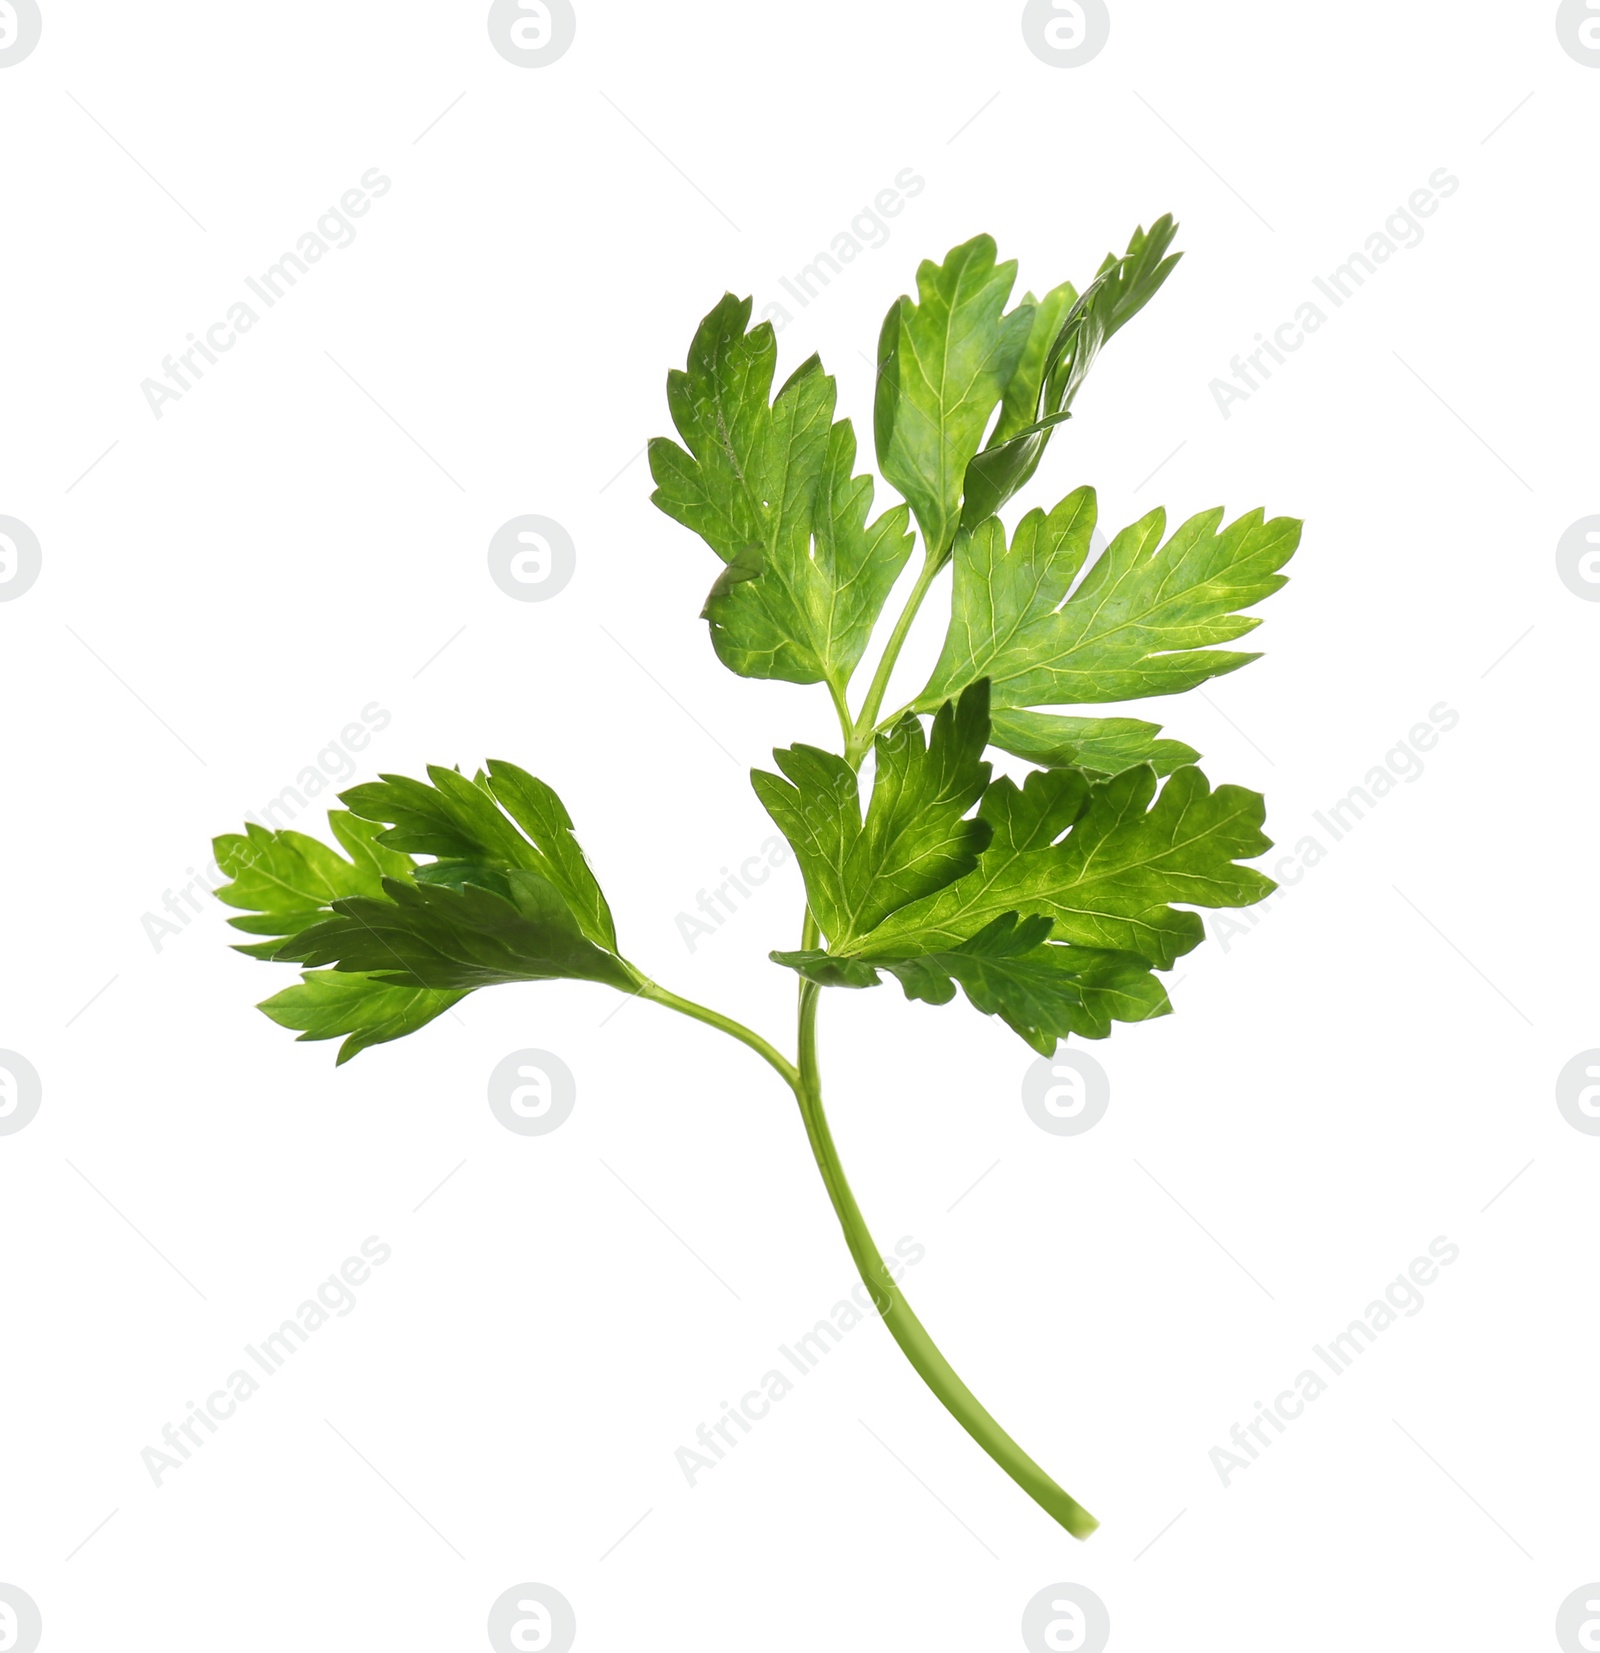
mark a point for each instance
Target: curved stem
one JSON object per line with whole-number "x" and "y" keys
{"x": 861, "y": 735}
{"x": 841, "y": 706}
{"x": 903, "y": 1325}
{"x": 726, "y": 1024}
{"x": 805, "y": 1081}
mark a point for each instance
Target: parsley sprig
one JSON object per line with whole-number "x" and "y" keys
{"x": 1055, "y": 905}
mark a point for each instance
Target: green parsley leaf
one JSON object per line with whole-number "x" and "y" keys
{"x": 818, "y": 965}
{"x": 287, "y": 881}
{"x": 1141, "y": 622}
{"x": 462, "y": 823}
{"x": 914, "y": 842}
{"x": 1100, "y": 745}
{"x": 1022, "y": 404}
{"x": 1044, "y": 991}
{"x": 407, "y": 940}
{"x": 458, "y": 939}
{"x": 1109, "y": 882}
{"x": 719, "y": 406}
{"x": 944, "y": 364}
{"x": 1120, "y": 290}
{"x": 804, "y": 612}
{"x": 1057, "y": 359}
{"x": 329, "y": 1004}
{"x": 914, "y": 839}
{"x": 771, "y": 490}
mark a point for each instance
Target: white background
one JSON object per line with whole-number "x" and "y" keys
{"x": 302, "y": 533}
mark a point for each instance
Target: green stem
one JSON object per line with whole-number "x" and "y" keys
{"x": 726, "y": 1024}
{"x": 887, "y": 723}
{"x": 860, "y": 737}
{"x": 903, "y": 1325}
{"x": 805, "y": 1081}
{"x": 841, "y": 706}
